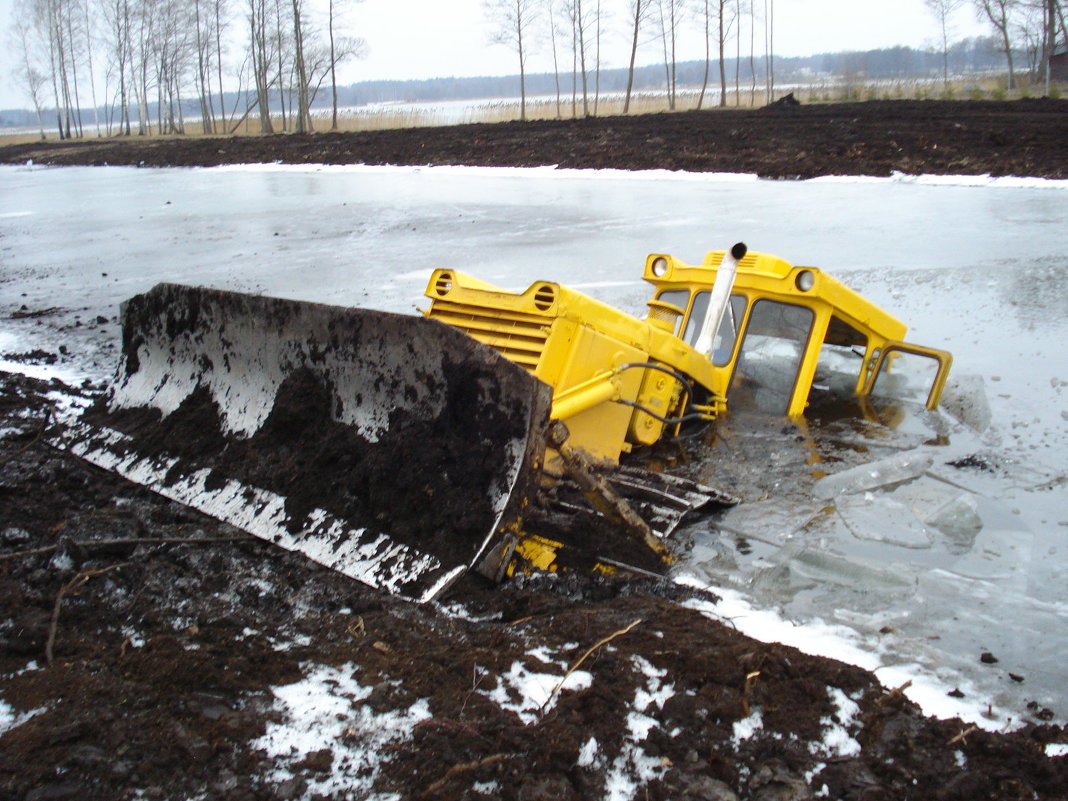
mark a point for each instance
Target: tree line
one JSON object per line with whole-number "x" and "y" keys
{"x": 126, "y": 57}
{"x": 737, "y": 35}
{"x": 126, "y": 67}
{"x": 573, "y": 32}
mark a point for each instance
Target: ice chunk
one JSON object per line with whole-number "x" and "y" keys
{"x": 880, "y": 473}
{"x": 823, "y": 566}
{"x": 958, "y": 519}
{"x": 965, "y": 398}
{"x": 880, "y": 518}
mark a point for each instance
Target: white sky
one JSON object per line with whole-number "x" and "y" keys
{"x": 433, "y": 38}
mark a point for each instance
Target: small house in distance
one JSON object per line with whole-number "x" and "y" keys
{"x": 1058, "y": 64}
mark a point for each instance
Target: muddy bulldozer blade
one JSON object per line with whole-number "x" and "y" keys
{"x": 391, "y": 448}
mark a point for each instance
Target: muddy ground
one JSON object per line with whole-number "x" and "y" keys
{"x": 140, "y": 640}
{"x": 1024, "y": 137}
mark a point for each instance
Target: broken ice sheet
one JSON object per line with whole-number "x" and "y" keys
{"x": 873, "y": 475}
{"x": 914, "y": 515}
{"x": 881, "y": 518}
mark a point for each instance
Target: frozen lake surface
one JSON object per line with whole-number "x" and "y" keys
{"x": 915, "y": 579}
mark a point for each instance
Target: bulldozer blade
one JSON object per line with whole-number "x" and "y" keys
{"x": 391, "y": 448}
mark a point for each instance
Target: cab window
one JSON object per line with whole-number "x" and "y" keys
{"x": 840, "y": 368}
{"x": 727, "y": 335}
{"x": 770, "y": 357}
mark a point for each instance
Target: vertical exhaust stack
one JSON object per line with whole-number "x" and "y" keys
{"x": 391, "y": 448}
{"x": 719, "y": 298}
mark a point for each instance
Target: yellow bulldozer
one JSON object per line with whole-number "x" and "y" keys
{"x": 494, "y": 432}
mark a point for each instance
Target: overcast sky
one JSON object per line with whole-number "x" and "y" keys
{"x": 431, "y": 38}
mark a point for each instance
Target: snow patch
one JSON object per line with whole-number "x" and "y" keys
{"x": 323, "y": 711}
{"x": 817, "y": 638}
{"x": 525, "y": 692}
{"x": 588, "y": 753}
{"x": 1004, "y": 182}
{"x": 745, "y": 728}
{"x": 837, "y": 741}
{"x": 10, "y": 719}
{"x": 1056, "y": 749}
{"x": 633, "y": 767}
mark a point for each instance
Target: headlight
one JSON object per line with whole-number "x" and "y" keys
{"x": 660, "y": 267}
{"x": 806, "y": 279}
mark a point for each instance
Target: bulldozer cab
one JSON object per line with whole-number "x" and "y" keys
{"x": 792, "y": 339}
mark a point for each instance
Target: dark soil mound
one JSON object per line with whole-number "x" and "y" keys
{"x": 1023, "y": 137}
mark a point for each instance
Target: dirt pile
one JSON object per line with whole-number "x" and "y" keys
{"x": 140, "y": 643}
{"x": 1023, "y": 137}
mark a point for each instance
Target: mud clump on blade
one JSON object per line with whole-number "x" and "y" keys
{"x": 190, "y": 434}
{"x": 425, "y": 482}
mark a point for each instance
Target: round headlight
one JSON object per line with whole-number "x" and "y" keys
{"x": 660, "y": 267}
{"x": 806, "y": 279}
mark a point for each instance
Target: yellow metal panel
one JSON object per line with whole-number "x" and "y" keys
{"x": 599, "y": 432}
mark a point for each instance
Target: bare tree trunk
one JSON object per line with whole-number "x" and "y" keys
{"x": 738, "y": 54}
{"x": 280, "y": 80}
{"x": 639, "y": 12}
{"x": 89, "y": 60}
{"x": 771, "y": 48}
{"x": 582, "y": 59}
{"x": 303, "y": 111}
{"x": 574, "y": 59}
{"x": 752, "y": 52}
{"x": 69, "y": 14}
{"x": 260, "y": 61}
{"x": 708, "y": 52}
{"x": 724, "y": 30}
{"x": 597, "y": 64}
{"x": 556, "y": 63}
{"x": 1051, "y": 40}
{"x": 520, "y": 29}
{"x": 217, "y": 8}
{"x": 126, "y": 60}
{"x": 333, "y": 69}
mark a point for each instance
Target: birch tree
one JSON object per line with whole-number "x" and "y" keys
{"x": 549, "y": 9}
{"x": 204, "y": 39}
{"x": 261, "y": 51}
{"x": 670, "y": 16}
{"x": 513, "y": 20}
{"x": 341, "y": 49}
{"x": 117, "y": 23}
{"x": 303, "y": 115}
{"x": 769, "y": 48}
{"x": 579, "y": 18}
{"x": 997, "y": 13}
{"x": 942, "y": 10}
{"x": 29, "y": 74}
{"x": 640, "y": 13}
{"x": 717, "y": 16}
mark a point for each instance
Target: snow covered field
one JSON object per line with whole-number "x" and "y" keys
{"x": 916, "y": 581}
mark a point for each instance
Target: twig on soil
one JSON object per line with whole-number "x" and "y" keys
{"x": 750, "y": 680}
{"x": 581, "y": 659}
{"x": 37, "y": 438}
{"x": 465, "y": 767}
{"x": 475, "y": 681}
{"x": 963, "y": 736}
{"x": 90, "y": 544}
{"x": 76, "y": 582}
{"x": 897, "y": 692}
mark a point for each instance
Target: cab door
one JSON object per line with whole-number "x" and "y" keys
{"x": 903, "y": 372}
